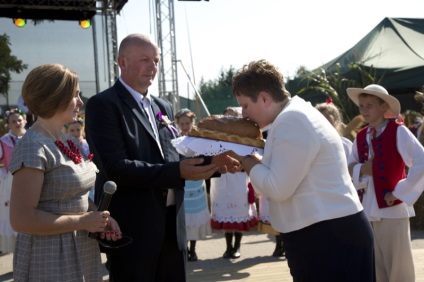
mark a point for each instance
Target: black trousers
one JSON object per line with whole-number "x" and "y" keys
{"x": 335, "y": 250}
{"x": 168, "y": 266}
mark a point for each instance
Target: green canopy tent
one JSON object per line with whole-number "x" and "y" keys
{"x": 395, "y": 49}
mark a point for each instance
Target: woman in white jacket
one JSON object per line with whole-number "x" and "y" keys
{"x": 304, "y": 175}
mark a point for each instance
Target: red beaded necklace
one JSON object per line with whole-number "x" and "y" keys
{"x": 72, "y": 152}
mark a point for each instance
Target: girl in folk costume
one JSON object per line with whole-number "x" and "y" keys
{"x": 414, "y": 121}
{"x": 76, "y": 129}
{"x": 380, "y": 153}
{"x": 264, "y": 225}
{"x": 197, "y": 214}
{"x": 15, "y": 121}
{"x": 333, "y": 115}
{"x": 233, "y": 211}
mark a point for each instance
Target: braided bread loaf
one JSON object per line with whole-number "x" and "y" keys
{"x": 229, "y": 129}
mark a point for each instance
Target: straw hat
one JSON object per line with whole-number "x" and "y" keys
{"x": 380, "y": 92}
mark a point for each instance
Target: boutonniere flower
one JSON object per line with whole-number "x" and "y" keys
{"x": 163, "y": 119}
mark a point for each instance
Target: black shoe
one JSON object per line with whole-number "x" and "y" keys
{"x": 193, "y": 256}
{"x": 228, "y": 253}
{"x": 278, "y": 252}
{"x": 235, "y": 253}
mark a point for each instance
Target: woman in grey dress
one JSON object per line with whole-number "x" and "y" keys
{"x": 50, "y": 208}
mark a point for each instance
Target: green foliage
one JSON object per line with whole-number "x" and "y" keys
{"x": 334, "y": 86}
{"x": 217, "y": 94}
{"x": 8, "y": 63}
{"x": 301, "y": 71}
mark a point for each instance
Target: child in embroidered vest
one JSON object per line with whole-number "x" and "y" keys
{"x": 377, "y": 163}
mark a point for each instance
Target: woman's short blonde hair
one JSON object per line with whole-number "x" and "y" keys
{"x": 49, "y": 89}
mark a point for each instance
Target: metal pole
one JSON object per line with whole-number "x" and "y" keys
{"x": 195, "y": 89}
{"x": 96, "y": 59}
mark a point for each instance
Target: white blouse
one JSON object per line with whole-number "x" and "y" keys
{"x": 304, "y": 172}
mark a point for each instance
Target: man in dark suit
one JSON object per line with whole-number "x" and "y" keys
{"x": 129, "y": 134}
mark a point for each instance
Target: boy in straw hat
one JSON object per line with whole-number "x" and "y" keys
{"x": 377, "y": 163}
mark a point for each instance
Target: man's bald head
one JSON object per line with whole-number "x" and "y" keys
{"x": 134, "y": 40}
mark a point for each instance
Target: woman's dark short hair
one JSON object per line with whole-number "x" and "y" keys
{"x": 259, "y": 76}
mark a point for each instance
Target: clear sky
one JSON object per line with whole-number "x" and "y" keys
{"x": 288, "y": 33}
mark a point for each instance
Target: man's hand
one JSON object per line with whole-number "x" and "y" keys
{"x": 192, "y": 170}
{"x": 389, "y": 198}
{"x": 366, "y": 168}
{"x": 233, "y": 154}
{"x": 226, "y": 163}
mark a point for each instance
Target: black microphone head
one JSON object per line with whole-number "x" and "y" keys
{"x": 109, "y": 187}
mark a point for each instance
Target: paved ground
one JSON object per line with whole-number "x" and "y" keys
{"x": 255, "y": 264}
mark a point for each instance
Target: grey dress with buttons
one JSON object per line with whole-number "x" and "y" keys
{"x": 71, "y": 256}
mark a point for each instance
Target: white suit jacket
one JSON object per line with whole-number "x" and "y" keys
{"x": 304, "y": 172}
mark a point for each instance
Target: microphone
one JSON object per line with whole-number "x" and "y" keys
{"x": 108, "y": 189}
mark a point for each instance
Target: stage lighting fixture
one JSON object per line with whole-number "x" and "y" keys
{"x": 19, "y": 22}
{"x": 85, "y": 23}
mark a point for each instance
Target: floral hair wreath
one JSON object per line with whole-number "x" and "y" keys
{"x": 78, "y": 119}
{"x": 184, "y": 112}
{"x": 10, "y": 112}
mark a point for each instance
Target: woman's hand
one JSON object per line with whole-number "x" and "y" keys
{"x": 112, "y": 230}
{"x": 101, "y": 222}
{"x": 95, "y": 221}
{"x": 249, "y": 161}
